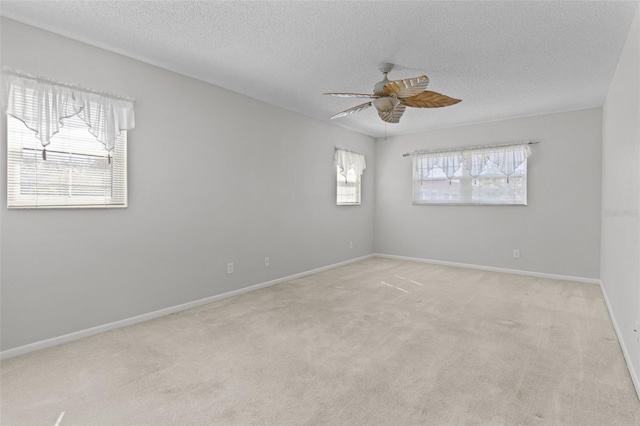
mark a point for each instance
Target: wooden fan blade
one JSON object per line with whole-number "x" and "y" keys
{"x": 394, "y": 115}
{"x": 352, "y": 95}
{"x": 407, "y": 87}
{"x": 428, "y": 99}
{"x": 351, "y": 110}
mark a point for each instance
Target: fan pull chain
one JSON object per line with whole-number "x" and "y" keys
{"x": 44, "y": 154}
{"x": 109, "y": 158}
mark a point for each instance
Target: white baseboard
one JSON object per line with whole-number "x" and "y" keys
{"x": 627, "y": 358}
{"x": 20, "y": 350}
{"x": 492, "y": 268}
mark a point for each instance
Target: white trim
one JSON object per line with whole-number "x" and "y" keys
{"x": 627, "y": 358}
{"x": 55, "y": 341}
{"x": 492, "y": 268}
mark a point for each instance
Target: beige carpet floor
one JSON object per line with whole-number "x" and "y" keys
{"x": 378, "y": 342}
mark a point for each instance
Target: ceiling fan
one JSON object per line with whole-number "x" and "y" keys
{"x": 390, "y": 98}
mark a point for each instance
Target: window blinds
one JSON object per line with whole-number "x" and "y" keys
{"x": 77, "y": 172}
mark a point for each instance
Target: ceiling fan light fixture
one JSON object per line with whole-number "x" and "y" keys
{"x": 386, "y": 104}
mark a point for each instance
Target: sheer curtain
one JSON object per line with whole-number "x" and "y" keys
{"x": 506, "y": 158}
{"x": 42, "y": 105}
{"x": 350, "y": 160}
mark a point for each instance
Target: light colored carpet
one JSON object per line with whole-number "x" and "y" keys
{"x": 346, "y": 347}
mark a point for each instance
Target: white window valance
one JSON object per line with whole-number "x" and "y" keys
{"x": 42, "y": 104}
{"x": 347, "y": 160}
{"x": 507, "y": 158}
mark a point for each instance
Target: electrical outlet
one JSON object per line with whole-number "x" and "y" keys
{"x": 267, "y": 261}
{"x": 516, "y": 254}
{"x": 350, "y": 244}
{"x": 230, "y": 268}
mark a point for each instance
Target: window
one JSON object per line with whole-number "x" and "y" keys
{"x": 477, "y": 176}
{"x": 348, "y": 188}
{"x": 77, "y": 172}
{"x": 66, "y": 146}
{"x": 491, "y": 187}
{"x": 349, "y": 168}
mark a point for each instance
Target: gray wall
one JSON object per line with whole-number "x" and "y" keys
{"x": 620, "y": 261}
{"x": 557, "y": 233}
{"x": 214, "y": 177}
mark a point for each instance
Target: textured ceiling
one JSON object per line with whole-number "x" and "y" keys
{"x": 503, "y": 59}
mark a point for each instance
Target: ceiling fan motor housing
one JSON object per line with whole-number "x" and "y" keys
{"x": 378, "y": 89}
{"x": 384, "y": 69}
